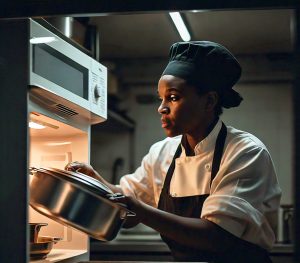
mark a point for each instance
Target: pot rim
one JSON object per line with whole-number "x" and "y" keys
{"x": 80, "y": 179}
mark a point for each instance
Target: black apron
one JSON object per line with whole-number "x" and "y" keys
{"x": 191, "y": 206}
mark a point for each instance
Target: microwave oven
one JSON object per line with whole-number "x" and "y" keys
{"x": 66, "y": 79}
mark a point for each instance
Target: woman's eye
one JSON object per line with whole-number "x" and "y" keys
{"x": 173, "y": 97}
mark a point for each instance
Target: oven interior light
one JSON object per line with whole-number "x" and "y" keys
{"x": 42, "y": 40}
{"x": 57, "y": 143}
{"x": 35, "y": 125}
{"x": 42, "y": 124}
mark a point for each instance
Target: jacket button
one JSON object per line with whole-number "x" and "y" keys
{"x": 207, "y": 166}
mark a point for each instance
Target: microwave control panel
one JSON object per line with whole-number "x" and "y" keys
{"x": 98, "y": 88}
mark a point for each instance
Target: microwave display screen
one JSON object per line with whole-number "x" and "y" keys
{"x": 61, "y": 70}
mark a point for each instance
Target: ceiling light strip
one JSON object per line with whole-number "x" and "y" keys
{"x": 180, "y": 26}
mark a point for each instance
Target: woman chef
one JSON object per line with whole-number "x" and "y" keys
{"x": 209, "y": 189}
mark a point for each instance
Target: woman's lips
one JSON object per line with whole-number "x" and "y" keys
{"x": 165, "y": 123}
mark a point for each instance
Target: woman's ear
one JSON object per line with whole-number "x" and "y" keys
{"x": 212, "y": 100}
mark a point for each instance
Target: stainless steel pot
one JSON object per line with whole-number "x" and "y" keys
{"x": 77, "y": 200}
{"x": 42, "y": 247}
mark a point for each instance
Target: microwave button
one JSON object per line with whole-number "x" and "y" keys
{"x": 97, "y": 92}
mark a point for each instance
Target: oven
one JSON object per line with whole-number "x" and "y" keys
{"x": 67, "y": 94}
{"x": 58, "y": 92}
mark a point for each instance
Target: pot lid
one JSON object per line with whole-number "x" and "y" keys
{"x": 80, "y": 179}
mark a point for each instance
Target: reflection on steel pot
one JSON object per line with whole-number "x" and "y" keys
{"x": 77, "y": 200}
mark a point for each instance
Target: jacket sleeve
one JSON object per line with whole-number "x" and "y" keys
{"x": 146, "y": 182}
{"x": 243, "y": 193}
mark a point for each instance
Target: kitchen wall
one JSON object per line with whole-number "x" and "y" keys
{"x": 266, "y": 112}
{"x": 106, "y": 148}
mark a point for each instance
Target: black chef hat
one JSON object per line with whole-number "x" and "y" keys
{"x": 208, "y": 66}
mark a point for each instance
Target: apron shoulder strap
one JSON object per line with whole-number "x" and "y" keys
{"x": 219, "y": 148}
{"x": 172, "y": 167}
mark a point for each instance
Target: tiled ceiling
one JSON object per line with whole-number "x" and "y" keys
{"x": 150, "y": 35}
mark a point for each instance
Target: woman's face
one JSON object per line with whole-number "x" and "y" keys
{"x": 182, "y": 109}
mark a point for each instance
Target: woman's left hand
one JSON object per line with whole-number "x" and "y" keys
{"x": 131, "y": 203}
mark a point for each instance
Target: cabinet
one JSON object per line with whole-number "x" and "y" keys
{"x": 282, "y": 253}
{"x": 157, "y": 250}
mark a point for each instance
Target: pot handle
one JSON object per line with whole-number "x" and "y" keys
{"x": 34, "y": 231}
{"x": 56, "y": 239}
{"x": 31, "y": 170}
{"x": 128, "y": 212}
{"x": 115, "y": 197}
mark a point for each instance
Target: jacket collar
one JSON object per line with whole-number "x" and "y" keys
{"x": 208, "y": 143}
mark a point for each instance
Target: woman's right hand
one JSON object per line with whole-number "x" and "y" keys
{"x": 83, "y": 168}
{"x": 90, "y": 171}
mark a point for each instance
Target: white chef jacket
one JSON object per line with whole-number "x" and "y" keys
{"x": 244, "y": 195}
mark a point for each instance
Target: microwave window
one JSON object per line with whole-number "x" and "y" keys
{"x": 61, "y": 70}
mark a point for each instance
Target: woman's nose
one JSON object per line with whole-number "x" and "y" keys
{"x": 162, "y": 109}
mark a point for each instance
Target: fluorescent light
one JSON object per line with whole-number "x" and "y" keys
{"x": 42, "y": 40}
{"x": 180, "y": 26}
{"x": 35, "y": 125}
{"x": 68, "y": 26}
{"x": 198, "y": 11}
